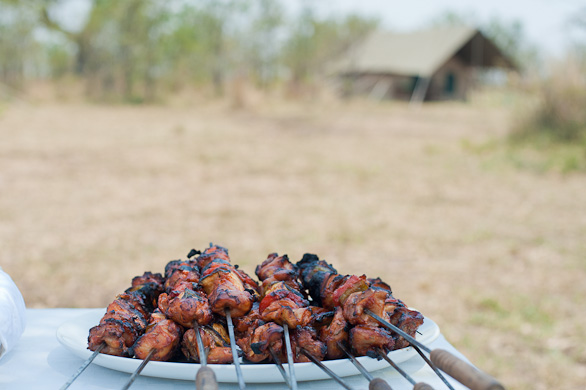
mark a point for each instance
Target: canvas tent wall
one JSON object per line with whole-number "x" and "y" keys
{"x": 432, "y": 64}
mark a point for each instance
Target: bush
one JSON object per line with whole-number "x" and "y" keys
{"x": 560, "y": 114}
{"x": 553, "y": 129}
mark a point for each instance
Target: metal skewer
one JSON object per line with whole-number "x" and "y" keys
{"x": 326, "y": 369}
{"x": 139, "y": 369}
{"x": 241, "y": 383}
{"x": 279, "y": 366}
{"x": 373, "y": 383}
{"x": 83, "y": 366}
{"x": 205, "y": 379}
{"x": 416, "y": 386}
{"x": 433, "y": 367}
{"x": 463, "y": 372}
{"x": 290, "y": 361}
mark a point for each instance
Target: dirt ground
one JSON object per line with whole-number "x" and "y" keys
{"x": 92, "y": 195}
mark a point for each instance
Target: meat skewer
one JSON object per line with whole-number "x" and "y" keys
{"x": 205, "y": 379}
{"x": 325, "y": 369}
{"x": 230, "y": 293}
{"x": 159, "y": 342}
{"x": 282, "y": 301}
{"x": 416, "y": 386}
{"x": 463, "y": 372}
{"x": 125, "y": 318}
{"x": 373, "y": 383}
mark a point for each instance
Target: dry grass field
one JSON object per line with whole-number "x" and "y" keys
{"x": 92, "y": 195}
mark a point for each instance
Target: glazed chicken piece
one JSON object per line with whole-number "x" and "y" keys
{"x": 320, "y": 317}
{"x": 118, "y": 336}
{"x": 372, "y": 299}
{"x": 174, "y": 265}
{"x": 276, "y": 265}
{"x": 327, "y": 289}
{"x": 314, "y": 275}
{"x": 309, "y": 265}
{"x": 350, "y": 285}
{"x": 306, "y": 337}
{"x": 365, "y": 340}
{"x": 284, "y": 305}
{"x": 146, "y": 295}
{"x": 277, "y": 269}
{"x": 256, "y": 345}
{"x": 225, "y": 289}
{"x": 332, "y": 289}
{"x": 250, "y": 284}
{"x": 119, "y": 328}
{"x": 214, "y": 252}
{"x": 408, "y": 321}
{"x": 283, "y": 302}
{"x": 125, "y": 308}
{"x": 182, "y": 274}
{"x": 378, "y": 282}
{"x": 185, "y": 305}
{"x": 336, "y": 332}
{"x": 162, "y": 334}
{"x": 215, "y": 338}
{"x": 245, "y": 325}
{"x": 147, "y": 277}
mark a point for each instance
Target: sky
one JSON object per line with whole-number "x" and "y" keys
{"x": 545, "y": 22}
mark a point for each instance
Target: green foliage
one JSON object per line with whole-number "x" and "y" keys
{"x": 313, "y": 42}
{"x": 556, "y": 125}
{"x": 140, "y": 50}
{"x": 18, "y": 47}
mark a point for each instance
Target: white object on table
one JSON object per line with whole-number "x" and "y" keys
{"x": 39, "y": 361}
{"x": 12, "y": 313}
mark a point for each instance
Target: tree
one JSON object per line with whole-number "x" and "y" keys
{"x": 314, "y": 42}
{"x": 261, "y": 43}
{"x": 18, "y": 48}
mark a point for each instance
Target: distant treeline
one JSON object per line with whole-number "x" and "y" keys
{"x": 141, "y": 50}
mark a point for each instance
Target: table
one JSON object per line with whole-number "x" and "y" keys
{"x": 39, "y": 361}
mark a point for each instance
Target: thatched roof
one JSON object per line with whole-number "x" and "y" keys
{"x": 420, "y": 53}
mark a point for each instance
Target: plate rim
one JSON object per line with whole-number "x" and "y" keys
{"x": 225, "y": 373}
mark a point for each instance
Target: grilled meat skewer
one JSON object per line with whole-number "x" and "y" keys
{"x": 230, "y": 293}
{"x": 354, "y": 294}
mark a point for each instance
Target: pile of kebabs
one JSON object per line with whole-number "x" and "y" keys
{"x": 321, "y": 308}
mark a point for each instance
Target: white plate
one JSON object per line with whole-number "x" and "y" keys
{"x": 73, "y": 336}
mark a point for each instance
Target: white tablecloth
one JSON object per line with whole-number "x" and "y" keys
{"x": 39, "y": 361}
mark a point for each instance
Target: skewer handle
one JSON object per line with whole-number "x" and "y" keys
{"x": 378, "y": 384}
{"x": 422, "y": 386}
{"x": 463, "y": 372}
{"x": 206, "y": 379}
